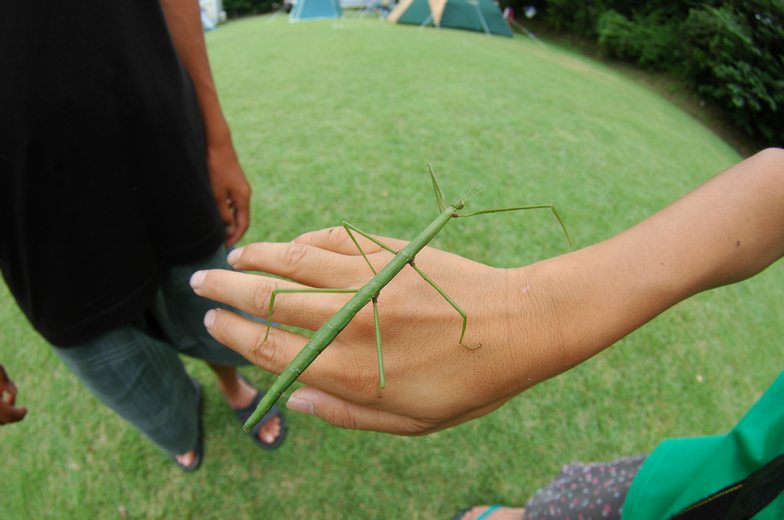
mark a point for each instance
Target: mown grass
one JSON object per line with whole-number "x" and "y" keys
{"x": 337, "y": 120}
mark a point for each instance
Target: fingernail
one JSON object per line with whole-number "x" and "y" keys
{"x": 299, "y": 405}
{"x": 234, "y": 256}
{"x": 197, "y": 279}
{"x": 209, "y": 318}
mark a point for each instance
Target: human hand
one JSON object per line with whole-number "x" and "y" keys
{"x": 533, "y": 322}
{"x": 8, "y": 412}
{"x": 230, "y": 188}
{"x": 433, "y": 382}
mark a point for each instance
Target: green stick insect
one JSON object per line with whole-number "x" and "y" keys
{"x": 371, "y": 290}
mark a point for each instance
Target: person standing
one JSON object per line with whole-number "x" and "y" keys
{"x": 118, "y": 178}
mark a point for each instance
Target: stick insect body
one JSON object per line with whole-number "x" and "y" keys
{"x": 370, "y": 292}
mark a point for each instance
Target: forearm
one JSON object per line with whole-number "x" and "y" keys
{"x": 229, "y": 185}
{"x": 184, "y": 22}
{"x": 725, "y": 231}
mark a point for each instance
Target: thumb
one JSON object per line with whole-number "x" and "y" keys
{"x": 344, "y": 414}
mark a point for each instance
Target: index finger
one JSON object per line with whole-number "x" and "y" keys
{"x": 305, "y": 264}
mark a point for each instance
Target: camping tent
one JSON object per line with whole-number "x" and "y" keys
{"x": 473, "y": 15}
{"x": 315, "y": 9}
{"x": 416, "y": 12}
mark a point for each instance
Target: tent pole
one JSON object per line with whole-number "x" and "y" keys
{"x": 528, "y": 33}
{"x": 482, "y": 19}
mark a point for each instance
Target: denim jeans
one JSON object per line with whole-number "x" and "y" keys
{"x": 136, "y": 369}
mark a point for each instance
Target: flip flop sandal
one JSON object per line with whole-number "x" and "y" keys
{"x": 243, "y": 414}
{"x": 199, "y": 449}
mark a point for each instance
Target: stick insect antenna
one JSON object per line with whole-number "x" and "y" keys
{"x": 474, "y": 191}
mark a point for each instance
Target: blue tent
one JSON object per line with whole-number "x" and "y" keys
{"x": 315, "y": 9}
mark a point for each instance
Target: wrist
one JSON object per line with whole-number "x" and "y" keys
{"x": 570, "y": 308}
{"x": 519, "y": 328}
{"x": 217, "y": 132}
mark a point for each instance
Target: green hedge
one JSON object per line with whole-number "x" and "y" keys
{"x": 734, "y": 55}
{"x": 235, "y": 8}
{"x": 731, "y": 51}
{"x": 647, "y": 39}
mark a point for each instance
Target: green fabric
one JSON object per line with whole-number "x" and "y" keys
{"x": 460, "y": 14}
{"x": 465, "y": 14}
{"x": 680, "y": 472}
{"x": 417, "y": 13}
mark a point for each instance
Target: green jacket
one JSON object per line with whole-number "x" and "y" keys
{"x": 681, "y": 472}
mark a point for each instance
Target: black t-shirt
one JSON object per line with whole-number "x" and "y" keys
{"x": 103, "y": 176}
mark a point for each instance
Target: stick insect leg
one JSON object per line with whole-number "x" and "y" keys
{"x": 462, "y": 313}
{"x": 275, "y": 293}
{"x": 351, "y": 227}
{"x": 521, "y": 208}
{"x": 377, "y": 323}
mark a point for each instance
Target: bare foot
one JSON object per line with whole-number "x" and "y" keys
{"x": 240, "y": 395}
{"x": 501, "y": 513}
{"x": 187, "y": 459}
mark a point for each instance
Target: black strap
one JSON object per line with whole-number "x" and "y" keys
{"x": 742, "y": 499}
{"x": 762, "y": 487}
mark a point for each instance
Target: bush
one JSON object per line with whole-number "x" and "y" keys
{"x": 734, "y": 54}
{"x": 651, "y": 40}
{"x": 582, "y": 17}
{"x": 730, "y": 51}
{"x": 616, "y": 35}
{"x": 577, "y": 17}
{"x": 236, "y": 8}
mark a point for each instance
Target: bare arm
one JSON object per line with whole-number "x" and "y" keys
{"x": 231, "y": 189}
{"x": 555, "y": 313}
{"x": 725, "y": 231}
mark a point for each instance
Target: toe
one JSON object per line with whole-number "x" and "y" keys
{"x": 270, "y": 431}
{"x": 186, "y": 459}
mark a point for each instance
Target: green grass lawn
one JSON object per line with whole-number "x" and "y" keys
{"x": 338, "y": 120}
